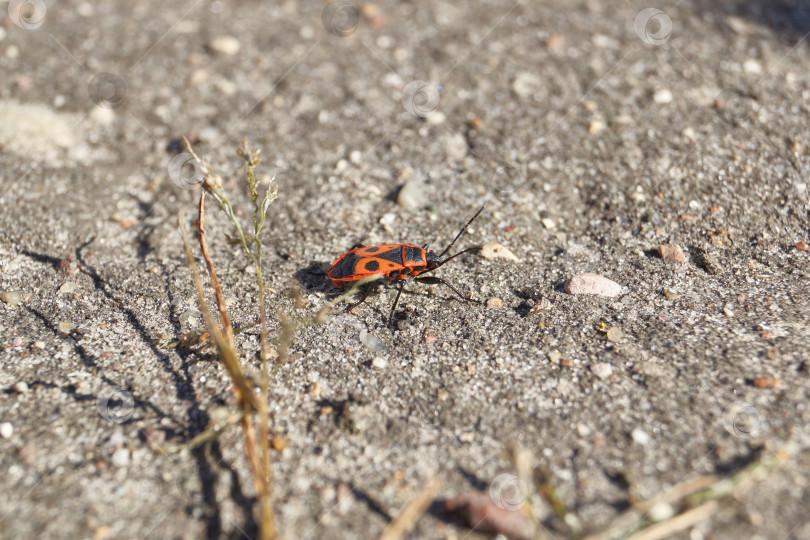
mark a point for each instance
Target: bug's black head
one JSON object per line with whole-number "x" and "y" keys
{"x": 432, "y": 259}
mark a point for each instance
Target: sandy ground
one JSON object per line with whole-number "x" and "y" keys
{"x": 593, "y": 131}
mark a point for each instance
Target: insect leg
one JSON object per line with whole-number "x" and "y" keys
{"x": 430, "y": 280}
{"x": 364, "y": 292}
{"x": 394, "y": 306}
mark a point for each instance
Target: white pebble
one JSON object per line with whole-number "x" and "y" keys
{"x": 493, "y": 250}
{"x": 120, "y": 457}
{"x": 752, "y": 67}
{"x": 527, "y": 83}
{"x": 436, "y": 118}
{"x": 588, "y": 283}
{"x": 602, "y": 370}
{"x": 102, "y": 116}
{"x": 379, "y": 362}
{"x": 412, "y": 194}
{"x": 6, "y": 430}
{"x": 661, "y": 511}
{"x": 225, "y": 45}
{"x": 455, "y": 146}
{"x": 663, "y": 96}
{"x": 20, "y": 387}
{"x": 208, "y": 134}
{"x": 640, "y": 437}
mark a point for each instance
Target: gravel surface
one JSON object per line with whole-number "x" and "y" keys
{"x": 594, "y": 132}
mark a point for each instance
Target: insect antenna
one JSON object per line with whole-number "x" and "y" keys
{"x": 459, "y": 235}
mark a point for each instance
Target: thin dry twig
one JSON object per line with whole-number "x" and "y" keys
{"x": 407, "y": 518}
{"x": 667, "y": 528}
{"x": 226, "y": 352}
{"x": 223, "y": 310}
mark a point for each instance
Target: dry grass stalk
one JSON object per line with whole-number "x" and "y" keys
{"x": 407, "y": 518}
{"x": 257, "y": 451}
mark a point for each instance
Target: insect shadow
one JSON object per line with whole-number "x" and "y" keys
{"x": 312, "y": 277}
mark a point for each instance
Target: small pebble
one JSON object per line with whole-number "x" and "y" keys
{"x": 548, "y": 223}
{"x": 120, "y": 457}
{"x": 379, "y": 362}
{"x": 663, "y": 96}
{"x": 429, "y": 336}
{"x": 554, "y": 357}
{"x": 661, "y": 512}
{"x": 67, "y": 287}
{"x": 153, "y": 435}
{"x": 436, "y": 118}
{"x": 494, "y": 250}
{"x": 766, "y": 382}
{"x": 228, "y": 45}
{"x": 802, "y": 246}
{"x": 39, "y": 344}
{"x": 597, "y": 126}
{"x": 589, "y": 283}
{"x": 279, "y": 443}
{"x": 527, "y": 84}
{"x": 11, "y": 298}
{"x": 640, "y": 437}
{"x": 720, "y": 238}
{"x": 66, "y": 326}
{"x": 554, "y": 42}
{"x": 752, "y": 67}
{"x": 208, "y": 134}
{"x": 6, "y": 430}
{"x": 672, "y": 253}
{"x": 455, "y": 145}
{"x": 494, "y": 303}
{"x": 28, "y": 454}
{"x": 103, "y": 116}
{"x": 467, "y": 437}
{"x": 602, "y": 370}
{"x": 17, "y": 341}
{"x": 615, "y": 334}
{"x": 412, "y": 194}
{"x": 20, "y": 387}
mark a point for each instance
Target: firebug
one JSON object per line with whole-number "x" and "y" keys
{"x": 393, "y": 262}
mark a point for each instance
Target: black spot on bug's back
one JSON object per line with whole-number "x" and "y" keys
{"x": 372, "y": 266}
{"x": 372, "y": 249}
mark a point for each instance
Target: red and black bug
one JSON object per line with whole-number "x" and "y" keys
{"x": 394, "y": 262}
